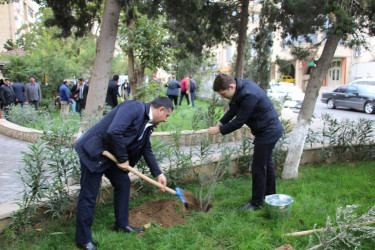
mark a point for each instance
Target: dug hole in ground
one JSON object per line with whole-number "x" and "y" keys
{"x": 164, "y": 212}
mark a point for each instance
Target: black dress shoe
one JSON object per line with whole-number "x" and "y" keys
{"x": 87, "y": 246}
{"x": 129, "y": 229}
{"x": 249, "y": 207}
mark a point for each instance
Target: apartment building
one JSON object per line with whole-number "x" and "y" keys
{"x": 347, "y": 65}
{"x": 13, "y": 16}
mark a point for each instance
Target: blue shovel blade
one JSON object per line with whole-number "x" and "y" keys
{"x": 179, "y": 194}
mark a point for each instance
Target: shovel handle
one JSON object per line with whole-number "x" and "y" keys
{"x": 139, "y": 174}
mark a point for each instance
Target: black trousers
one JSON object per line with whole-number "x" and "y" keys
{"x": 183, "y": 93}
{"x": 80, "y": 105}
{"x": 263, "y": 173}
{"x": 90, "y": 184}
{"x": 173, "y": 98}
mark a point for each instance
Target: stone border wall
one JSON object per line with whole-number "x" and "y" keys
{"x": 18, "y": 132}
{"x": 187, "y": 137}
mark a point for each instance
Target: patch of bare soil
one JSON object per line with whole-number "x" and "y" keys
{"x": 164, "y": 212}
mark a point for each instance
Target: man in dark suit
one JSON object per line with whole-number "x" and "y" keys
{"x": 250, "y": 105}
{"x": 7, "y": 96}
{"x": 82, "y": 90}
{"x": 112, "y": 92}
{"x": 19, "y": 91}
{"x": 125, "y": 132}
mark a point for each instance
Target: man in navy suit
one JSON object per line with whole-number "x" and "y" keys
{"x": 125, "y": 132}
{"x": 19, "y": 91}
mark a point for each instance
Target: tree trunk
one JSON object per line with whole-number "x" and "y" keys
{"x": 103, "y": 61}
{"x": 131, "y": 60}
{"x": 241, "y": 45}
{"x": 140, "y": 75}
{"x": 299, "y": 133}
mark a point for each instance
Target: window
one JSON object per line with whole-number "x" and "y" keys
{"x": 229, "y": 53}
{"x": 30, "y": 12}
{"x": 343, "y": 90}
{"x": 352, "y": 90}
{"x": 358, "y": 51}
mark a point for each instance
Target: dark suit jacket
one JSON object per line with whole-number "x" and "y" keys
{"x": 250, "y": 105}
{"x": 19, "y": 90}
{"x": 112, "y": 93}
{"x": 77, "y": 88}
{"x": 118, "y": 132}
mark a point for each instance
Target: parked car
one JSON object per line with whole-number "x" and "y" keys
{"x": 365, "y": 81}
{"x": 354, "y": 96}
{"x": 291, "y": 95}
{"x": 287, "y": 78}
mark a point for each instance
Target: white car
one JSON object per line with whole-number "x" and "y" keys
{"x": 287, "y": 92}
{"x": 365, "y": 81}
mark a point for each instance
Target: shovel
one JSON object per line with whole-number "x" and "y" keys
{"x": 177, "y": 192}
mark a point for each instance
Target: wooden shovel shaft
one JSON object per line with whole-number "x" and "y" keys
{"x": 139, "y": 174}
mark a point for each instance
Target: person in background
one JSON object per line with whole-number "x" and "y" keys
{"x": 172, "y": 89}
{"x": 33, "y": 93}
{"x": 127, "y": 87}
{"x": 125, "y": 132}
{"x": 250, "y": 105}
{"x": 193, "y": 88}
{"x": 112, "y": 92}
{"x": 64, "y": 99}
{"x": 7, "y": 96}
{"x": 19, "y": 91}
{"x": 184, "y": 90}
{"x": 72, "y": 85}
{"x": 81, "y": 92}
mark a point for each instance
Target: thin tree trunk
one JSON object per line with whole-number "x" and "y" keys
{"x": 299, "y": 133}
{"x": 103, "y": 60}
{"x": 241, "y": 46}
{"x": 140, "y": 75}
{"x": 131, "y": 60}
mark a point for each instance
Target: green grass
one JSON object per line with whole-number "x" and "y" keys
{"x": 317, "y": 193}
{"x": 180, "y": 119}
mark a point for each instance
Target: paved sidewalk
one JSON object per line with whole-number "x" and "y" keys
{"x": 10, "y": 162}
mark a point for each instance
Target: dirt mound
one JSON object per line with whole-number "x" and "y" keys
{"x": 164, "y": 212}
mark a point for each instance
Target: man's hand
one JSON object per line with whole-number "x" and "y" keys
{"x": 123, "y": 166}
{"x": 162, "y": 180}
{"x": 213, "y": 130}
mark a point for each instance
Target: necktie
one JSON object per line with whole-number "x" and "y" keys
{"x": 81, "y": 92}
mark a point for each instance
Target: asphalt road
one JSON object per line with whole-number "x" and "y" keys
{"x": 340, "y": 114}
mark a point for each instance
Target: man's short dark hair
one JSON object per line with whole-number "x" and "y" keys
{"x": 81, "y": 79}
{"x": 222, "y": 82}
{"x": 115, "y": 77}
{"x": 162, "y": 102}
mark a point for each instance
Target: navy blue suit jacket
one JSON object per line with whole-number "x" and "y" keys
{"x": 250, "y": 105}
{"x": 119, "y": 132}
{"x": 19, "y": 90}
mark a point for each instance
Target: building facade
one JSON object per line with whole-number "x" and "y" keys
{"x": 13, "y": 16}
{"x": 347, "y": 65}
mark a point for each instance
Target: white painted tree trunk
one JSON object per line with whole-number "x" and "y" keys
{"x": 103, "y": 60}
{"x": 299, "y": 133}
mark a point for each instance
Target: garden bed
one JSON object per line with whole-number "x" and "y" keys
{"x": 317, "y": 193}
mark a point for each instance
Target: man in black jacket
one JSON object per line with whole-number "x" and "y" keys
{"x": 112, "y": 92}
{"x": 250, "y": 105}
{"x": 125, "y": 132}
{"x": 7, "y": 96}
{"x": 81, "y": 92}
